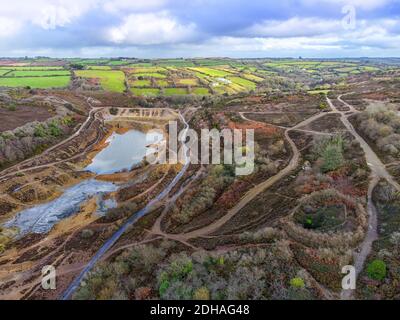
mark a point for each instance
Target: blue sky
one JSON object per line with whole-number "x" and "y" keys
{"x": 200, "y": 28}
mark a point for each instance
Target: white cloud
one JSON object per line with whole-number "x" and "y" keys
{"x": 358, "y": 4}
{"x": 268, "y": 44}
{"x": 150, "y": 29}
{"x": 52, "y": 16}
{"x": 293, "y": 27}
{"x": 118, "y": 6}
{"x": 140, "y": 24}
{"x": 8, "y": 27}
{"x": 47, "y": 14}
{"x": 318, "y": 33}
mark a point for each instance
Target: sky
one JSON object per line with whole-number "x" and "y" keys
{"x": 200, "y": 28}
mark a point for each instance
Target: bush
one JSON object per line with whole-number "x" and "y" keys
{"x": 377, "y": 270}
{"x": 12, "y": 107}
{"x": 76, "y": 66}
{"x": 323, "y": 106}
{"x": 331, "y": 152}
{"x": 54, "y": 129}
{"x": 87, "y": 233}
{"x": 164, "y": 285}
{"x": 114, "y": 111}
{"x": 40, "y": 131}
{"x": 201, "y": 294}
{"x": 297, "y": 283}
{"x": 67, "y": 121}
{"x": 333, "y": 158}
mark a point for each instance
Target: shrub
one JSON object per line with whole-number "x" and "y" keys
{"x": 12, "y": 107}
{"x": 164, "y": 285}
{"x": 323, "y": 106}
{"x": 297, "y": 283}
{"x": 395, "y": 238}
{"x": 87, "y": 233}
{"x": 114, "y": 111}
{"x": 40, "y": 131}
{"x": 201, "y": 294}
{"x": 76, "y": 66}
{"x": 377, "y": 270}
{"x": 54, "y": 129}
{"x": 67, "y": 121}
{"x": 332, "y": 155}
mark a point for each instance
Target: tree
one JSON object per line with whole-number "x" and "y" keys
{"x": 377, "y": 270}
{"x": 332, "y": 158}
{"x": 77, "y": 66}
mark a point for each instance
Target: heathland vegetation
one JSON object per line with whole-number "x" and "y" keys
{"x": 282, "y": 232}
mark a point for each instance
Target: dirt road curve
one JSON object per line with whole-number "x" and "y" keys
{"x": 378, "y": 171}
{"x": 12, "y": 171}
{"x": 253, "y": 193}
{"x": 249, "y": 196}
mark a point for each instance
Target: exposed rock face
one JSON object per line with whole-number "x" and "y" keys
{"x": 13, "y": 148}
{"x": 25, "y": 141}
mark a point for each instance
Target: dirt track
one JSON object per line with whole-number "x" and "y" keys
{"x": 378, "y": 171}
{"x": 14, "y": 170}
{"x": 254, "y": 192}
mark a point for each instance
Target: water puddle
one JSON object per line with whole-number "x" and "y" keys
{"x": 123, "y": 152}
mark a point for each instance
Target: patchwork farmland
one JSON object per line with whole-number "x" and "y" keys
{"x": 34, "y": 77}
{"x": 183, "y": 77}
{"x": 322, "y": 142}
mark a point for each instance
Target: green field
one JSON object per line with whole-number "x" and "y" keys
{"x": 138, "y": 65}
{"x": 209, "y": 62}
{"x": 212, "y": 72}
{"x": 178, "y": 76}
{"x": 36, "y": 82}
{"x": 162, "y": 83}
{"x": 148, "y": 70}
{"x": 3, "y": 71}
{"x": 110, "y": 80}
{"x": 145, "y": 91}
{"x": 48, "y": 73}
{"x": 322, "y": 91}
{"x": 200, "y": 91}
{"x": 188, "y": 82}
{"x": 99, "y": 67}
{"x": 252, "y": 77}
{"x": 176, "y": 63}
{"x": 175, "y": 91}
{"x": 118, "y": 63}
{"x": 30, "y": 68}
{"x": 89, "y": 61}
{"x": 243, "y": 82}
{"x": 150, "y": 75}
{"x": 142, "y": 83}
